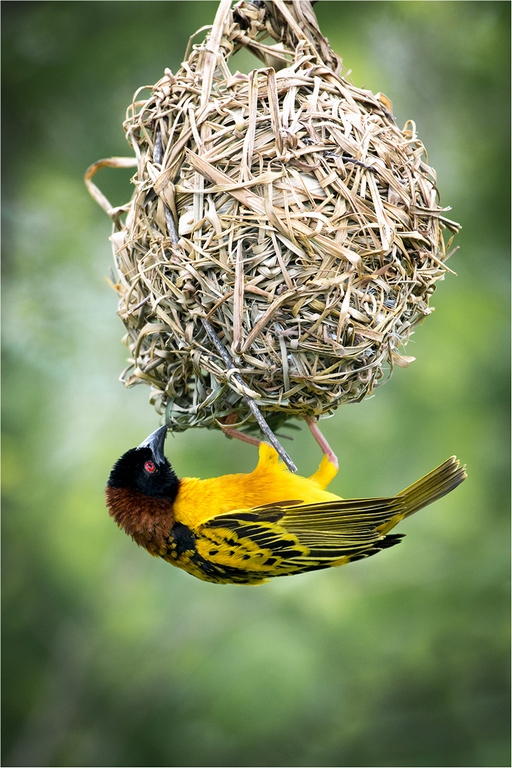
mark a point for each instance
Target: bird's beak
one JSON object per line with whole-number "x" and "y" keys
{"x": 155, "y": 441}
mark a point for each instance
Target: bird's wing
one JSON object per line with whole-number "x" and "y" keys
{"x": 249, "y": 545}
{"x": 289, "y": 537}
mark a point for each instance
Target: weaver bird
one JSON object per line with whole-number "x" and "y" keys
{"x": 246, "y": 528}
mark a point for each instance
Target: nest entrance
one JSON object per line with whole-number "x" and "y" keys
{"x": 284, "y": 207}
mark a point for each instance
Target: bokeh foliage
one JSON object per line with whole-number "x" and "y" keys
{"x": 113, "y": 658}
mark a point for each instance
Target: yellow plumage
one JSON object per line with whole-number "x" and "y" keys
{"x": 270, "y": 482}
{"x": 246, "y": 528}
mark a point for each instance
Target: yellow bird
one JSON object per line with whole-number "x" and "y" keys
{"x": 247, "y": 528}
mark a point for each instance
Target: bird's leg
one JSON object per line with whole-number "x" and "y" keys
{"x": 322, "y": 442}
{"x": 232, "y": 432}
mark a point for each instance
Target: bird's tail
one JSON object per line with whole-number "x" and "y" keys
{"x": 433, "y": 486}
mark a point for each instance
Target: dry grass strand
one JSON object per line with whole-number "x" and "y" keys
{"x": 288, "y": 209}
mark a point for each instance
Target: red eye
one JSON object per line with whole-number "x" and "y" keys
{"x": 149, "y": 467}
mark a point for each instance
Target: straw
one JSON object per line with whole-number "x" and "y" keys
{"x": 285, "y": 208}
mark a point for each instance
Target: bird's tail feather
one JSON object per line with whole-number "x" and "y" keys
{"x": 433, "y": 486}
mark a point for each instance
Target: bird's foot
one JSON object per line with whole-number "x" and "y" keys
{"x": 322, "y": 442}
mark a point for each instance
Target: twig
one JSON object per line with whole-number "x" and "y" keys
{"x": 157, "y": 149}
{"x": 171, "y": 226}
{"x": 221, "y": 349}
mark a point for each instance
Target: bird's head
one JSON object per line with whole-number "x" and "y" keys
{"x": 141, "y": 489}
{"x": 145, "y": 469}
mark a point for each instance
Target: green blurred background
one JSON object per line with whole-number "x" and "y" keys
{"x": 112, "y": 658}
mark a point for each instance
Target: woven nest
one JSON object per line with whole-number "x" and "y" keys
{"x": 285, "y": 208}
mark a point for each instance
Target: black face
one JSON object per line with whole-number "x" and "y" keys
{"x": 139, "y": 470}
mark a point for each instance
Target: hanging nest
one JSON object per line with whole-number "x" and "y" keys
{"x": 282, "y": 210}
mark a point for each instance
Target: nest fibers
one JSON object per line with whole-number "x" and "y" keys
{"x": 285, "y": 208}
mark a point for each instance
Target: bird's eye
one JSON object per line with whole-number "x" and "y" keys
{"x": 149, "y": 467}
